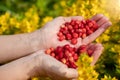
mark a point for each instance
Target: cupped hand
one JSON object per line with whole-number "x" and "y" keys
{"x": 49, "y": 37}
{"x": 54, "y": 69}
{"x": 49, "y": 32}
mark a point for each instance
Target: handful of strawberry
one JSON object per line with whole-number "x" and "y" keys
{"x": 71, "y": 31}
{"x": 76, "y": 29}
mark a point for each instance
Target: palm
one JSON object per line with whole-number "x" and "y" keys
{"x": 55, "y": 69}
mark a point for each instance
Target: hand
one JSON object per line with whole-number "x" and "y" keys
{"x": 49, "y": 32}
{"x": 97, "y": 51}
{"x": 38, "y": 64}
{"x": 58, "y": 71}
{"x": 54, "y": 69}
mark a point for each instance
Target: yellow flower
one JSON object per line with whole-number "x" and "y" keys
{"x": 108, "y": 78}
{"x": 103, "y": 37}
{"x": 63, "y": 3}
{"x": 85, "y": 71}
{"x": 46, "y": 19}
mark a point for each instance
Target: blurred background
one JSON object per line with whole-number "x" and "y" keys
{"x": 23, "y": 16}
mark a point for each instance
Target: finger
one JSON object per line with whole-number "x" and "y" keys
{"x": 71, "y": 73}
{"x": 102, "y": 21}
{"x": 97, "y": 52}
{"x": 97, "y": 17}
{"x": 65, "y": 73}
{"x": 97, "y": 33}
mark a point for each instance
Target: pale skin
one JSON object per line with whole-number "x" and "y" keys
{"x": 29, "y": 48}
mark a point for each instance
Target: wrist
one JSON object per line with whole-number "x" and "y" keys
{"x": 36, "y": 40}
{"x": 38, "y": 60}
{"x": 33, "y": 65}
{"x": 21, "y": 69}
{"x": 37, "y": 68}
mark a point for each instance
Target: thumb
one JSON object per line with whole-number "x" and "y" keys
{"x": 71, "y": 73}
